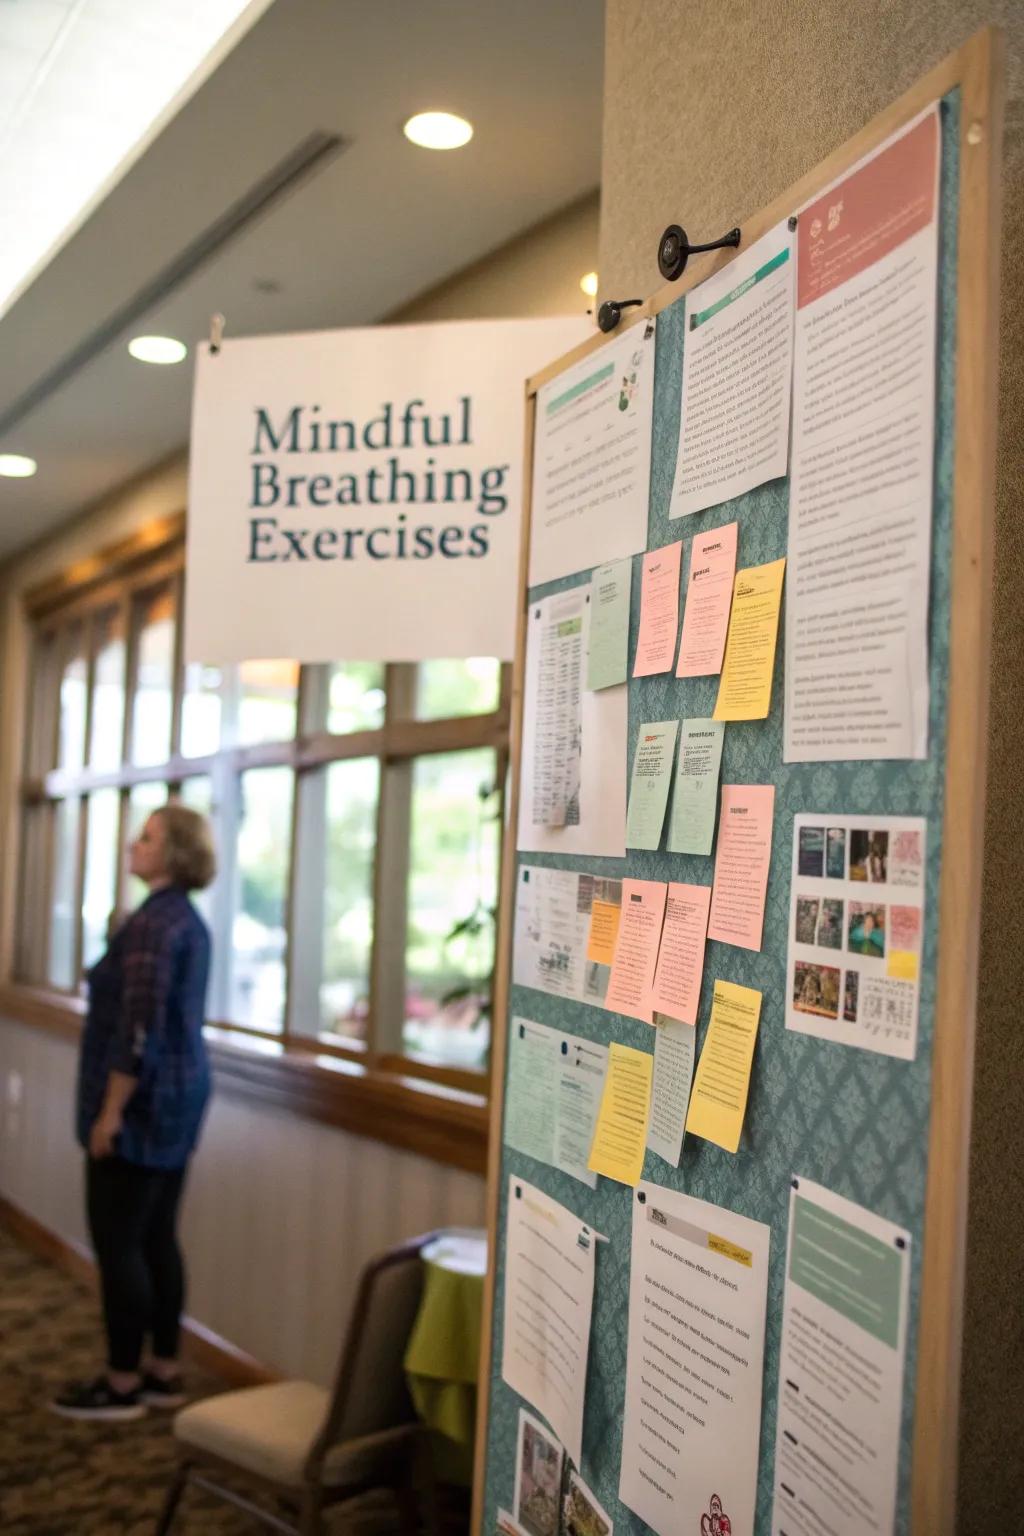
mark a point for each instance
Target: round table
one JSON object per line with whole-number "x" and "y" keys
{"x": 442, "y": 1355}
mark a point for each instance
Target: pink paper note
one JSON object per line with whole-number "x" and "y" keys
{"x": 636, "y": 950}
{"x": 708, "y": 601}
{"x": 659, "y": 611}
{"x": 680, "y": 967}
{"x": 741, "y": 864}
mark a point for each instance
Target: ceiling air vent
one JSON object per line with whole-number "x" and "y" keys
{"x": 311, "y": 155}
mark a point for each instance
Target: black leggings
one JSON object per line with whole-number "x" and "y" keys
{"x": 132, "y": 1216}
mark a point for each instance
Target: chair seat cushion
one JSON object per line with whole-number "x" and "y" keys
{"x": 270, "y": 1431}
{"x": 267, "y": 1430}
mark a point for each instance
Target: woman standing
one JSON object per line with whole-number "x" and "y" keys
{"x": 143, "y": 1083}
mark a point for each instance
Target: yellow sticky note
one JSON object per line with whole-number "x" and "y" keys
{"x": 719, "y": 1098}
{"x": 902, "y": 965}
{"x": 745, "y": 689}
{"x": 620, "y": 1135}
{"x": 604, "y": 930}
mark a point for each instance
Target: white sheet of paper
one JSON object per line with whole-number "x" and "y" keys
{"x": 550, "y": 947}
{"x": 549, "y": 1294}
{"x": 582, "y": 1065}
{"x": 552, "y": 1095}
{"x": 860, "y": 502}
{"x": 600, "y": 749}
{"x": 592, "y": 459}
{"x": 697, "y": 1299}
{"x": 552, "y": 929}
{"x": 844, "y": 1338}
{"x": 737, "y": 372}
{"x": 673, "y": 1076}
{"x": 558, "y": 658}
{"x": 856, "y": 930}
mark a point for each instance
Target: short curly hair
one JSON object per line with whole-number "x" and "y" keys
{"x": 188, "y": 846}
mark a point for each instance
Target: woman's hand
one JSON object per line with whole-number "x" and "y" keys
{"x": 103, "y": 1134}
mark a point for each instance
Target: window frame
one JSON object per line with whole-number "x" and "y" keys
{"x": 120, "y": 578}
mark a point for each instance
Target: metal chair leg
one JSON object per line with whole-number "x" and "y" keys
{"x": 311, "y": 1515}
{"x": 408, "y": 1509}
{"x": 171, "y": 1502}
{"x": 426, "y": 1484}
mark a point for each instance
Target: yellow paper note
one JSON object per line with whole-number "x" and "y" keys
{"x": 719, "y": 1098}
{"x": 604, "y": 930}
{"x": 902, "y": 965}
{"x": 620, "y": 1135}
{"x": 745, "y": 690}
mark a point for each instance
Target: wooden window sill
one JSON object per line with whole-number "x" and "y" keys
{"x": 433, "y": 1119}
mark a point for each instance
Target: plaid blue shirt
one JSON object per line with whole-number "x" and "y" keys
{"x": 147, "y": 1000}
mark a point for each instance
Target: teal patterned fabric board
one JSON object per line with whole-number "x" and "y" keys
{"x": 852, "y": 1120}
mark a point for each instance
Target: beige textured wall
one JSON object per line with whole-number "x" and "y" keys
{"x": 713, "y": 108}
{"x": 537, "y": 274}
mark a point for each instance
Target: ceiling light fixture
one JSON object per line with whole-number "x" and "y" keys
{"x": 157, "y": 349}
{"x": 588, "y": 282}
{"x": 438, "y": 130}
{"x": 17, "y": 466}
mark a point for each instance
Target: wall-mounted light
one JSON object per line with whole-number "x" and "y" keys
{"x": 438, "y": 130}
{"x": 17, "y": 466}
{"x": 588, "y": 282}
{"x": 157, "y": 349}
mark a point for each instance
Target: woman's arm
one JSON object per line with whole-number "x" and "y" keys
{"x": 146, "y": 965}
{"x": 120, "y": 1087}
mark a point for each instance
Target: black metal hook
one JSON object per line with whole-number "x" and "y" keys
{"x": 675, "y": 250}
{"x": 610, "y": 313}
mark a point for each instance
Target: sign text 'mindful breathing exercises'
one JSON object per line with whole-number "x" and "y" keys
{"x": 386, "y": 483}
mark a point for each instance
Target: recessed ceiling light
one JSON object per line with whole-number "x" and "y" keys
{"x": 438, "y": 130}
{"x": 17, "y": 465}
{"x": 157, "y": 349}
{"x": 588, "y": 282}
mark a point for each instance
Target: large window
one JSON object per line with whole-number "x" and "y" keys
{"x": 356, "y": 808}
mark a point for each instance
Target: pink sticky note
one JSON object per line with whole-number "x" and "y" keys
{"x": 741, "y": 864}
{"x": 708, "y": 601}
{"x": 636, "y": 949}
{"x": 680, "y": 966}
{"x": 659, "y": 611}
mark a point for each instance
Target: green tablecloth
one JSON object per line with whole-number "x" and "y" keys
{"x": 443, "y": 1352}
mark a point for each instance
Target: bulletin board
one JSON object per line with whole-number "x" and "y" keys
{"x": 890, "y": 1135}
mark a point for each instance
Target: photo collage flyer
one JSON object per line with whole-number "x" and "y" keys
{"x": 856, "y": 930}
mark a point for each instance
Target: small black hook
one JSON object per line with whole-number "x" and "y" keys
{"x": 675, "y": 250}
{"x": 610, "y": 313}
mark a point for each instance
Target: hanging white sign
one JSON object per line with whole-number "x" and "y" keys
{"x": 356, "y": 495}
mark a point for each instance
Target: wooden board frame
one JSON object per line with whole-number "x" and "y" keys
{"x": 977, "y": 69}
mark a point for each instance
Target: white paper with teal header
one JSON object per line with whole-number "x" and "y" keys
{"x": 844, "y": 1338}
{"x": 592, "y": 459}
{"x": 737, "y": 376}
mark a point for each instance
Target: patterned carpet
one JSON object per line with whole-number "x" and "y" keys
{"x": 65, "y": 1479}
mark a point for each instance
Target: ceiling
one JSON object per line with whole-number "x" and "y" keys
{"x": 247, "y": 203}
{"x": 84, "y": 84}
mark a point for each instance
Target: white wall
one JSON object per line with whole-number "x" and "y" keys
{"x": 280, "y": 1213}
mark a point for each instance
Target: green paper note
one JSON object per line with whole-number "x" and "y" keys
{"x": 530, "y": 1092}
{"x": 695, "y": 798}
{"x": 648, "y": 792}
{"x": 608, "y": 660}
